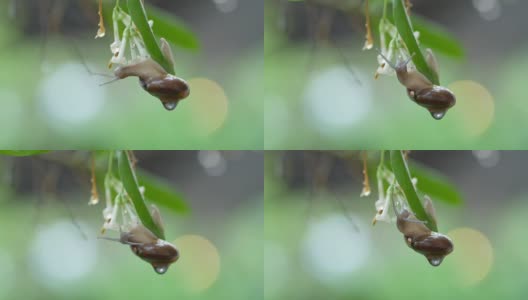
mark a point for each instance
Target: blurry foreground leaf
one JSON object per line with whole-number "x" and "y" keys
{"x": 435, "y": 185}
{"x": 173, "y": 29}
{"x": 437, "y": 38}
{"x": 22, "y": 152}
{"x": 158, "y": 191}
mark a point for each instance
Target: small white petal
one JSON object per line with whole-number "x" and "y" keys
{"x": 380, "y": 204}
{"x": 115, "y": 46}
{"x": 417, "y": 36}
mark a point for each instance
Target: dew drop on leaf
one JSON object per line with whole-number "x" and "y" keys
{"x": 170, "y": 105}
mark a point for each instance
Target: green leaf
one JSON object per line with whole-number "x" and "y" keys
{"x": 401, "y": 171}
{"x": 403, "y": 23}
{"x": 435, "y": 185}
{"x": 160, "y": 192}
{"x": 128, "y": 177}
{"x": 139, "y": 16}
{"x": 22, "y": 152}
{"x": 173, "y": 29}
{"x": 437, "y": 38}
{"x": 432, "y": 36}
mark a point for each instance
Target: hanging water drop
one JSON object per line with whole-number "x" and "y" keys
{"x": 436, "y": 261}
{"x": 161, "y": 269}
{"x": 170, "y": 105}
{"x": 438, "y": 115}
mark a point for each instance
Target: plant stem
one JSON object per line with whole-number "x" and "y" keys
{"x": 110, "y": 162}
{"x": 128, "y": 177}
{"x": 401, "y": 172}
{"x": 384, "y": 10}
{"x": 403, "y": 23}
{"x": 136, "y": 9}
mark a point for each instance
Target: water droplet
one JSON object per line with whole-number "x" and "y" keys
{"x": 438, "y": 115}
{"x": 435, "y": 261}
{"x": 170, "y": 105}
{"x": 161, "y": 269}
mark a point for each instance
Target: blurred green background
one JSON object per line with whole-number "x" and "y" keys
{"x": 49, "y": 100}
{"x": 44, "y": 255}
{"x": 321, "y": 92}
{"x": 320, "y": 243}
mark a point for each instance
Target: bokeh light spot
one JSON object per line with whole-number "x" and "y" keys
{"x": 334, "y": 247}
{"x": 473, "y": 255}
{"x": 487, "y": 158}
{"x": 199, "y": 263}
{"x": 475, "y": 106}
{"x": 60, "y": 254}
{"x": 213, "y": 162}
{"x": 337, "y": 99}
{"x": 489, "y": 9}
{"x": 70, "y": 97}
{"x": 226, "y": 6}
{"x": 209, "y": 105}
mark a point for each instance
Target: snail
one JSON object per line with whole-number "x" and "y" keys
{"x": 155, "y": 80}
{"x": 436, "y": 99}
{"x": 147, "y": 246}
{"x": 433, "y": 245}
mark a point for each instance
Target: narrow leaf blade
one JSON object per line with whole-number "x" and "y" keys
{"x": 160, "y": 192}
{"x": 173, "y": 29}
{"x": 435, "y": 185}
{"x": 129, "y": 180}
{"x": 403, "y": 23}
{"x": 401, "y": 172}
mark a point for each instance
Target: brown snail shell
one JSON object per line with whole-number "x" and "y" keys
{"x": 436, "y": 99}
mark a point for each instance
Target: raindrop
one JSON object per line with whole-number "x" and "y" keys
{"x": 436, "y": 261}
{"x": 170, "y": 105}
{"x": 161, "y": 269}
{"x": 438, "y": 115}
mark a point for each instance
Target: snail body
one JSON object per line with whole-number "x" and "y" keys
{"x": 157, "y": 252}
{"x": 155, "y": 80}
{"x": 147, "y": 246}
{"x": 436, "y": 99}
{"x": 433, "y": 245}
